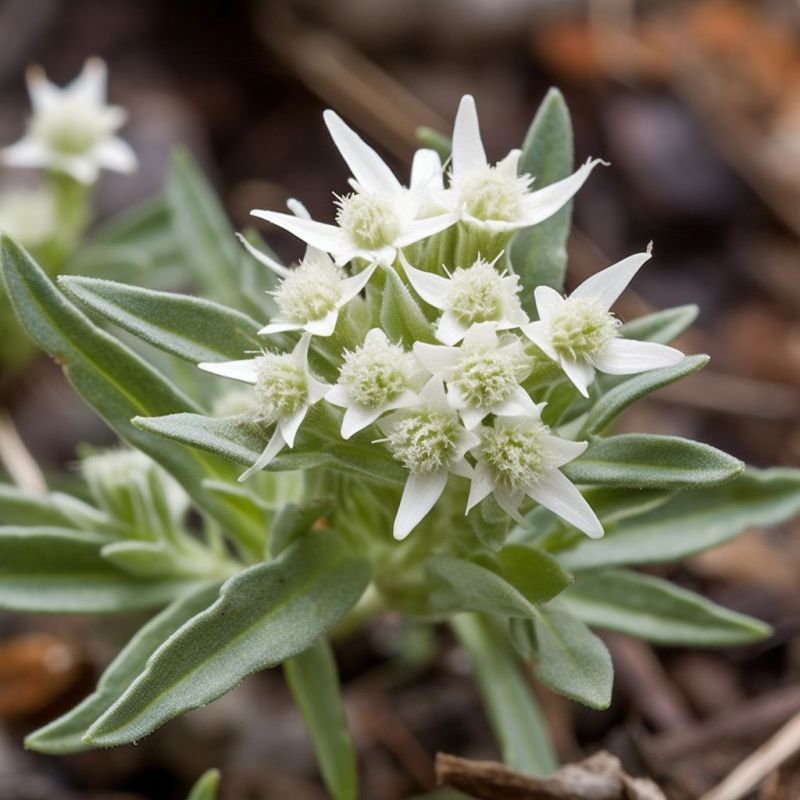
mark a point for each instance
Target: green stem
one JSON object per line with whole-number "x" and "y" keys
{"x": 513, "y": 712}
{"x": 73, "y": 207}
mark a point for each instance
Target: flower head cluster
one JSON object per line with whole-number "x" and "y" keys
{"x": 72, "y": 130}
{"x": 440, "y": 371}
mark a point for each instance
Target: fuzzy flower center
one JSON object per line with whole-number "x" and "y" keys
{"x": 581, "y": 329}
{"x": 488, "y": 193}
{"x": 481, "y": 294}
{"x": 70, "y": 127}
{"x": 489, "y": 377}
{"x": 424, "y": 441}
{"x": 369, "y": 220}
{"x": 516, "y": 453}
{"x": 280, "y": 386}
{"x": 375, "y": 373}
{"x": 310, "y": 292}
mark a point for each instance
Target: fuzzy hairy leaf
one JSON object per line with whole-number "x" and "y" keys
{"x": 691, "y": 522}
{"x": 64, "y": 735}
{"x": 58, "y": 571}
{"x": 264, "y": 615}
{"x": 401, "y": 317}
{"x": 296, "y": 519}
{"x": 611, "y": 404}
{"x": 512, "y": 584}
{"x": 656, "y": 610}
{"x": 20, "y": 507}
{"x": 117, "y": 383}
{"x": 569, "y": 658}
{"x": 314, "y": 682}
{"x": 539, "y": 254}
{"x": 242, "y": 440}
{"x": 644, "y": 461}
{"x": 661, "y": 326}
{"x": 188, "y": 327}
{"x": 202, "y": 229}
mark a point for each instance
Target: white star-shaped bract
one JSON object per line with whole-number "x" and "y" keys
{"x": 431, "y": 443}
{"x": 311, "y": 295}
{"x": 482, "y": 375}
{"x": 374, "y": 379}
{"x": 496, "y": 198}
{"x": 285, "y": 388}
{"x": 580, "y": 333}
{"x": 381, "y": 215}
{"x": 72, "y": 129}
{"x": 517, "y": 457}
{"x": 479, "y": 293}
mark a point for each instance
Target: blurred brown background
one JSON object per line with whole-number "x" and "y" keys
{"x": 697, "y": 106}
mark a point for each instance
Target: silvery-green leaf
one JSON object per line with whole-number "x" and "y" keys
{"x": 656, "y": 610}
{"x": 54, "y": 509}
{"x": 118, "y": 384}
{"x": 511, "y": 707}
{"x": 265, "y": 614}
{"x": 510, "y": 584}
{"x": 538, "y": 254}
{"x": 613, "y": 402}
{"x": 64, "y": 735}
{"x": 314, "y": 682}
{"x": 242, "y": 440}
{"x": 568, "y": 657}
{"x": 188, "y": 327}
{"x": 661, "y": 326}
{"x": 401, "y": 317}
{"x": 693, "y": 521}
{"x": 207, "y": 240}
{"x": 645, "y": 461}
{"x": 295, "y": 519}
{"x": 489, "y": 523}
{"x": 57, "y": 571}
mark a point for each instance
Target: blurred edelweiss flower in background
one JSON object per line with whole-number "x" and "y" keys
{"x": 461, "y": 407}
{"x": 72, "y": 128}
{"x": 582, "y": 335}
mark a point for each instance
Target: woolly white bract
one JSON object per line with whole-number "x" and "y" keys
{"x": 581, "y": 333}
{"x": 72, "y": 129}
{"x": 466, "y": 413}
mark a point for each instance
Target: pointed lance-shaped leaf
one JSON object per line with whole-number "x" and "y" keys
{"x": 264, "y": 615}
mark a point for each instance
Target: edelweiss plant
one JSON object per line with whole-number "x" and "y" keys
{"x": 424, "y": 428}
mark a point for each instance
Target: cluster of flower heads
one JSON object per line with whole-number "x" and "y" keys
{"x": 458, "y": 407}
